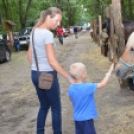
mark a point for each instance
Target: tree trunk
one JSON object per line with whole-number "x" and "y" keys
{"x": 23, "y": 16}
{"x": 69, "y": 12}
{"x": 98, "y": 3}
{"x": 20, "y": 12}
{"x": 0, "y": 18}
{"x": 119, "y": 43}
{"x": 5, "y": 8}
{"x": 27, "y": 9}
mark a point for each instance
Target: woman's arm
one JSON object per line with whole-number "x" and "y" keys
{"x": 54, "y": 63}
{"x": 29, "y": 54}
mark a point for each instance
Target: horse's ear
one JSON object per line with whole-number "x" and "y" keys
{"x": 130, "y": 40}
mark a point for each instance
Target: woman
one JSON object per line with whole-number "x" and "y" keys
{"x": 44, "y": 46}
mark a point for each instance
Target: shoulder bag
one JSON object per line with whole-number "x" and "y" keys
{"x": 45, "y": 79}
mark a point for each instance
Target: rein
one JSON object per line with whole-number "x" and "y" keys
{"x": 130, "y": 67}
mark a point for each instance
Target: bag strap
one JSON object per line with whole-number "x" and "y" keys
{"x": 34, "y": 51}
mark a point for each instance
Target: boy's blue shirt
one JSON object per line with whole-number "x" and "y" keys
{"x": 82, "y": 96}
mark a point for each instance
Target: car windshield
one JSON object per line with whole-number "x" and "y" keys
{"x": 2, "y": 42}
{"x": 1, "y": 37}
{"x": 25, "y": 31}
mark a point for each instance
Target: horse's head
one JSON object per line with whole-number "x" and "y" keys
{"x": 126, "y": 61}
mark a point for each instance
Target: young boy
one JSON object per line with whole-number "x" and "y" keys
{"x": 82, "y": 97}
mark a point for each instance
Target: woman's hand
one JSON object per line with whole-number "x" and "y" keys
{"x": 72, "y": 80}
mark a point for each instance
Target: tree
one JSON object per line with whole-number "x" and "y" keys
{"x": 131, "y": 13}
{"x": 24, "y": 12}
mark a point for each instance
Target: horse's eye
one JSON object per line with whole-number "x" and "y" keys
{"x": 132, "y": 49}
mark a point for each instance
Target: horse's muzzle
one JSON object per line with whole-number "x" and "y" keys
{"x": 121, "y": 71}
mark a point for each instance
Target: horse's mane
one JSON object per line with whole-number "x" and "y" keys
{"x": 130, "y": 41}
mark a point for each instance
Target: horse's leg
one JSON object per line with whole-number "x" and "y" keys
{"x": 130, "y": 83}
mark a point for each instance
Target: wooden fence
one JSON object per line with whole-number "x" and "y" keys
{"x": 116, "y": 39}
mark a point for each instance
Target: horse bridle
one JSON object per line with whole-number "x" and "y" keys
{"x": 130, "y": 67}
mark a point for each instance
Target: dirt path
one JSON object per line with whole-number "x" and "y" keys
{"x": 19, "y": 104}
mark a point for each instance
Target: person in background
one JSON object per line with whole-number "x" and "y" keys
{"x": 75, "y": 31}
{"x": 16, "y": 43}
{"x": 60, "y": 34}
{"x": 82, "y": 96}
{"x": 45, "y": 49}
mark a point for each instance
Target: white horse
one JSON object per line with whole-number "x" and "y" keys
{"x": 126, "y": 61}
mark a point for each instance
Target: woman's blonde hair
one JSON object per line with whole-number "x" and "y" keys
{"x": 76, "y": 69}
{"x": 52, "y": 11}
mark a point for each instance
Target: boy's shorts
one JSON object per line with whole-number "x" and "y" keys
{"x": 85, "y": 127}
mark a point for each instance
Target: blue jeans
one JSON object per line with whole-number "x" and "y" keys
{"x": 48, "y": 98}
{"x": 17, "y": 47}
{"x": 85, "y": 127}
{"x": 60, "y": 39}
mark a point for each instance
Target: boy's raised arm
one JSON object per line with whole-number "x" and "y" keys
{"x": 106, "y": 78}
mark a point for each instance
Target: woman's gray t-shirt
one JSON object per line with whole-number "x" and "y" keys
{"x": 42, "y": 37}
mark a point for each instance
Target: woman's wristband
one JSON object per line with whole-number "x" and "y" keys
{"x": 108, "y": 74}
{"x": 69, "y": 78}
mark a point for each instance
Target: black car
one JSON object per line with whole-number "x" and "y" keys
{"x": 5, "y": 53}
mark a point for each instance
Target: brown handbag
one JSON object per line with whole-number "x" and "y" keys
{"x": 45, "y": 79}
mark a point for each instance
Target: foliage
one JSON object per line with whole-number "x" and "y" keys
{"x": 24, "y": 12}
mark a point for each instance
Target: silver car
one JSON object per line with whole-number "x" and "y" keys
{"x": 24, "y": 36}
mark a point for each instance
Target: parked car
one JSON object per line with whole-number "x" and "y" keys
{"x": 1, "y": 36}
{"x": 71, "y": 29}
{"x": 16, "y": 33}
{"x": 5, "y": 52}
{"x": 24, "y": 36}
{"x": 65, "y": 32}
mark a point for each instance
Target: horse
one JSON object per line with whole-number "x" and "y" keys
{"x": 124, "y": 68}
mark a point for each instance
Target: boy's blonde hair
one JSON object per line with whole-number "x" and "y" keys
{"x": 76, "y": 69}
